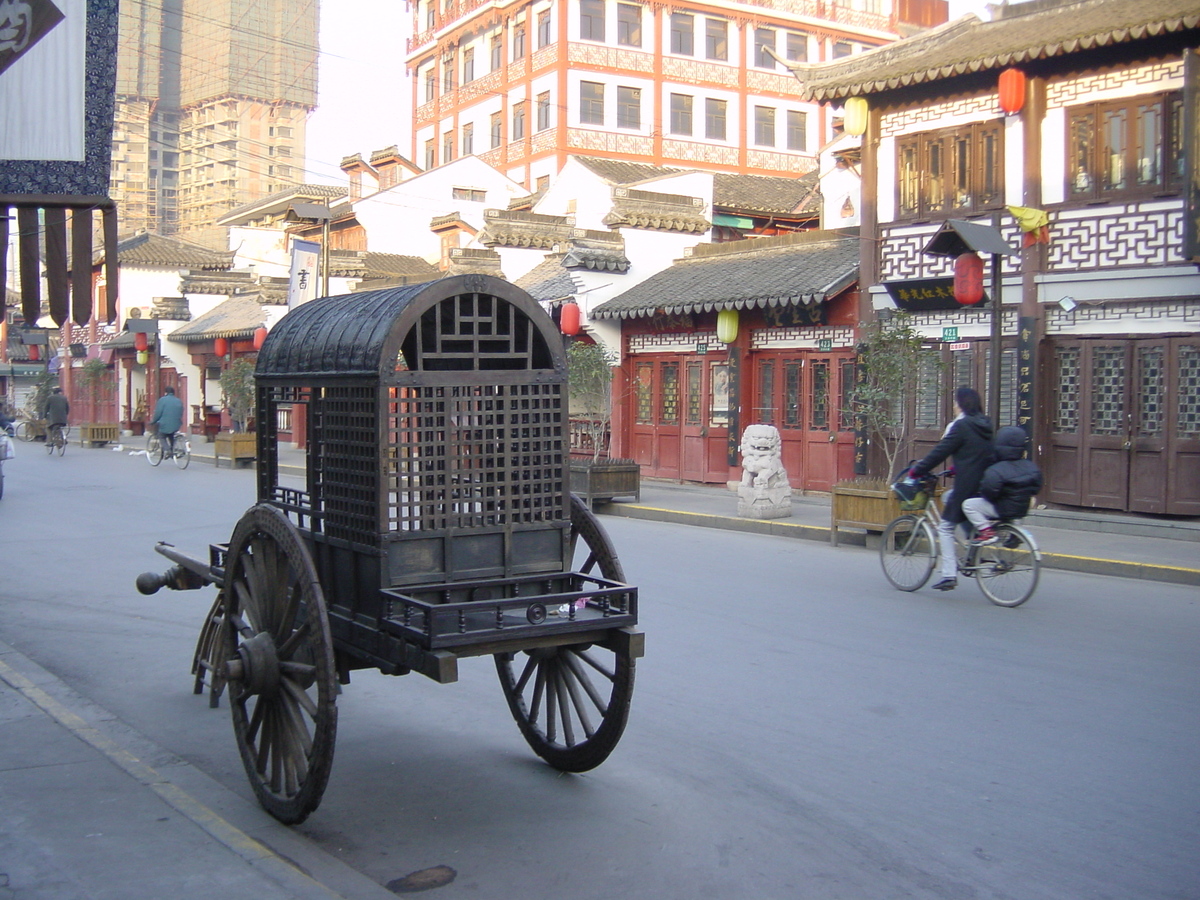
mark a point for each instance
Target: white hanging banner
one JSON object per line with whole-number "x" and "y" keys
{"x": 302, "y": 284}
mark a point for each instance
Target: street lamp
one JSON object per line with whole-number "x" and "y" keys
{"x": 315, "y": 212}
{"x": 956, "y": 237}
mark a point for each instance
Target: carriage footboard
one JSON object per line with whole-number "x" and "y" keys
{"x": 448, "y": 616}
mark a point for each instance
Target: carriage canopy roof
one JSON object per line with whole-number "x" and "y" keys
{"x": 468, "y": 322}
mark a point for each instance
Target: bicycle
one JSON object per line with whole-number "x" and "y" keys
{"x": 1007, "y": 569}
{"x": 180, "y": 452}
{"x": 56, "y": 439}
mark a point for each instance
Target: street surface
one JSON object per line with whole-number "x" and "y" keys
{"x": 799, "y": 729}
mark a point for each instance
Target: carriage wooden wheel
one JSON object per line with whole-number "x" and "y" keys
{"x": 279, "y": 664}
{"x": 571, "y": 702}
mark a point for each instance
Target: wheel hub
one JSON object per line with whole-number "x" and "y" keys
{"x": 256, "y": 666}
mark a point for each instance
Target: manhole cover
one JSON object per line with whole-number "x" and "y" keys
{"x": 422, "y": 880}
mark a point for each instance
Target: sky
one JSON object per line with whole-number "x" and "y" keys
{"x": 364, "y": 96}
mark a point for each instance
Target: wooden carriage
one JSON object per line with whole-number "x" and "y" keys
{"x": 435, "y": 523}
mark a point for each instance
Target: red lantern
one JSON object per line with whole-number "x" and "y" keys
{"x": 968, "y": 279}
{"x": 260, "y": 336}
{"x": 34, "y": 353}
{"x": 140, "y": 342}
{"x": 220, "y": 346}
{"x": 569, "y": 319}
{"x": 1012, "y": 90}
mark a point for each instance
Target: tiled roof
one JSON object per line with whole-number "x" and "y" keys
{"x": 518, "y": 228}
{"x": 549, "y": 280}
{"x": 472, "y": 261}
{"x": 1022, "y": 32}
{"x": 378, "y": 264}
{"x": 598, "y": 259}
{"x": 634, "y": 208}
{"x": 808, "y": 267}
{"x": 216, "y": 282}
{"x": 777, "y": 194}
{"x": 147, "y": 249}
{"x": 321, "y": 193}
{"x": 616, "y": 171}
{"x": 235, "y": 318}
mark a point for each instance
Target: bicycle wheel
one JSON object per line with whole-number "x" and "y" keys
{"x": 908, "y": 552}
{"x": 60, "y": 444}
{"x": 51, "y": 437}
{"x": 182, "y": 454}
{"x": 1008, "y": 570}
{"x": 24, "y": 431}
{"x": 154, "y": 449}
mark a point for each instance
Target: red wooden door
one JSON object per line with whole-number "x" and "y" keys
{"x": 680, "y": 417}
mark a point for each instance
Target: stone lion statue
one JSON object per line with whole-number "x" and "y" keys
{"x": 762, "y": 463}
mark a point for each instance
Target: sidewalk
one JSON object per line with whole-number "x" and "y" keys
{"x": 1079, "y": 541}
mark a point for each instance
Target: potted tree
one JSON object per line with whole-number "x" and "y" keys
{"x": 237, "y": 385}
{"x": 594, "y": 476}
{"x": 92, "y": 376}
{"x": 888, "y": 367}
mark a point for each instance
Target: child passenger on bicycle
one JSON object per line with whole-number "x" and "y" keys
{"x": 1007, "y": 486}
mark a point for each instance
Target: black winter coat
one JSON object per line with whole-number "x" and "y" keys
{"x": 1011, "y": 482}
{"x": 969, "y": 442}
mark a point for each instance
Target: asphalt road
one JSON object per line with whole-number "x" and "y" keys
{"x": 799, "y": 729}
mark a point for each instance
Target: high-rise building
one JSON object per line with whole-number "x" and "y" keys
{"x": 213, "y": 97}
{"x": 696, "y": 83}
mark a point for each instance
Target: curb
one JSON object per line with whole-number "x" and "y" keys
{"x": 1083, "y": 564}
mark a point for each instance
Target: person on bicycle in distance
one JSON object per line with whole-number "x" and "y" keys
{"x": 58, "y": 411}
{"x": 1007, "y": 487}
{"x": 168, "y": 416}
{"x": 968, "y": 440}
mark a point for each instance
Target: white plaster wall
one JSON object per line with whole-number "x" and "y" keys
{"x": 267, "y": 249}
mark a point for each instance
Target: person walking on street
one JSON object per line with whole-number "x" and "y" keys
{"x": 968, "y": 440}
{"x": 168, "y": 416}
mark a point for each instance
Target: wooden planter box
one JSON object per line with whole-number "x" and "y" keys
{"x": 867, "y": 503}
{"x": 235, "y": 446}
{"x": 91, "y": 434}
{"x": 605, "y": 479}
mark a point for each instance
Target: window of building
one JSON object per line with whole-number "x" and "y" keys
{"x": 842, "y": 49}
{"x": 518, "y": 42}
{"x": 543, "y": 29}
{"x": 430, "y": 84}
{"x": 468, "y": 139}
{"x": 629, "y": 25}
{"x": 1128, "y": 146}
{"x": 764, "y": 126}
{"x": 497, "y": 47}
{"x": 543, "y": 111}
{"x": 681, "y": 114}
{"x": 468, "y": 65}
{"x": 543, "y": 184}
{"x": 448, "y": 74}
{"x": 591, "y": 103}
{"x": 431, "y": 14}
{"x": 518, "y": 121}
{"x": 797, "y": 130}
{"x": 956, "y": 170}
{"x": 497, "y": 130}
{"x": 682, "y": 34}
{"x": 447, "y": 146}
{"x": 764, "y": 40}
{"x": 430, "y": 154}
{"x": 475, "y": 195}
{"x": 591, "y": 20}
{"x": 715, "y": 112}
{"x": 797, "y": 46}
{"x": 629, "y": 107}
{"x": 716, "y": 39}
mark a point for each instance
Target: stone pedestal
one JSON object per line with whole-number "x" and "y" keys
{"x": 764, "y": 502}
{"x": 764, "y": 492}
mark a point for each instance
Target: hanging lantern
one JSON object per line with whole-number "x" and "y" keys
{"x": 141, "y": 343}
{"x": 143, "y": 357}
{"x": 260, "y": 336}
{"x": 35, "y": 352}
{"x": 568, "y": 320}
{"x": 220, "y": 346}
{"x": 727, "y": 326}
{"x": 1012, "y": 90}
{"x": 854, "y": 117}
{"x": 968, "y": 279}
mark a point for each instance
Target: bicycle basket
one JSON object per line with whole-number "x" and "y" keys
{"x": 912, "y": 495}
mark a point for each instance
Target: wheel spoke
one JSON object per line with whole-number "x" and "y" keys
{"x": 288, "y": 648}
{"x": 564, "y": 707}
{"x": 595, "y": 664}
{"x": 570, "y": 679}
{"x": 531, "y": 666}
{"x": 585, "y": 682}
{"x": 298, "y": 694}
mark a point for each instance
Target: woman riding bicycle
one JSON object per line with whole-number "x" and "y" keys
{"x": 168, "y": 416}
{"x": 968, "y": 439}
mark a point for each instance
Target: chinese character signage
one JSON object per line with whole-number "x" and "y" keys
{"x": 302, "y": 284}
{"x": 924, "y": 294}
{"x": 1191, "y": 153}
